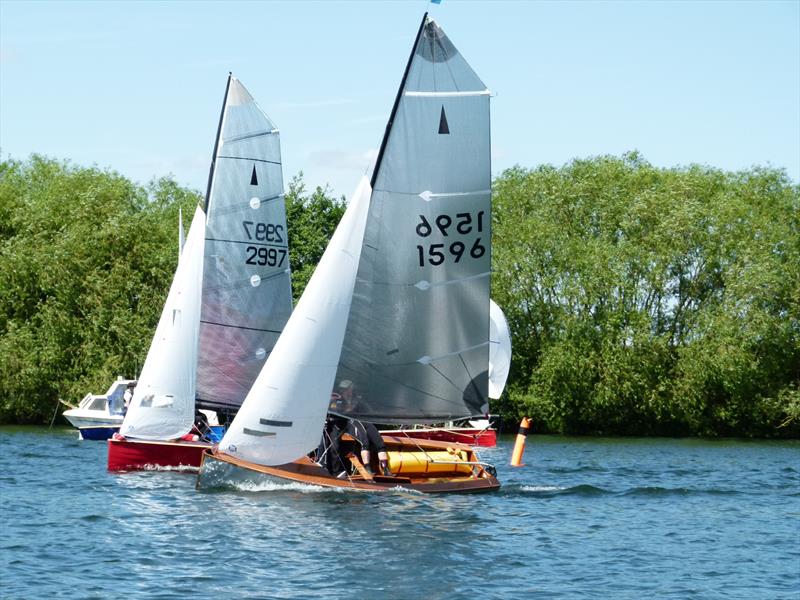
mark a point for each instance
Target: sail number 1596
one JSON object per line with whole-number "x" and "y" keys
{"x": 462, "y": 225}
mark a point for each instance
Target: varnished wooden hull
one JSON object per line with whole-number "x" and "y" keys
{"x": 220, "y": 469}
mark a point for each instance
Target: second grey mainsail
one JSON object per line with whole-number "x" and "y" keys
{"x": 416, "y": 345}
{"x": 246, "y": 279}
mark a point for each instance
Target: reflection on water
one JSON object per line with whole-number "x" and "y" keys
{"x": 585, "y": 517}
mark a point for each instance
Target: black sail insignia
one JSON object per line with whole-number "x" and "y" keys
{"x": 443, "y": 127}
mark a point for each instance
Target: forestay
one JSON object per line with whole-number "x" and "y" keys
{"x": 283, "y": 415}
{"x": 416, "y": 346}
{"x": 246, "y": 285}
{"x": 163, "y": 401}
{"x": 499, "y": 351}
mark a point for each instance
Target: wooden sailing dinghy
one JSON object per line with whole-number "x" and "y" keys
{"x": 397, "y": 310}
{"x": 229, "y": 301}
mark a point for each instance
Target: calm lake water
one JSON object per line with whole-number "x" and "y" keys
{"x": 585, "y": 518}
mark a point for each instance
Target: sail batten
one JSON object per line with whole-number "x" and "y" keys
{"x": 262, "y": 160}
{"x": 248, "y": 136}
{"x": 248, "y": 242}
{"x": 455, "y": 94}
{"x": 278, "y": 331}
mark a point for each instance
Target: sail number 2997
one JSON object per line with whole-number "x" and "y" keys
{"x": 264, "y": 232}
{"x": 447, "y": 226}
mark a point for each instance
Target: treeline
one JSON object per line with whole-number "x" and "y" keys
{"x": 86, "y": 261}
{"x": 650, "y": 301}
{"x": 641, "y": 301}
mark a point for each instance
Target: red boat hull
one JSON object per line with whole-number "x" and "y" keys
{"x": 143, "y": 455}
{"x": 461, "y": 435}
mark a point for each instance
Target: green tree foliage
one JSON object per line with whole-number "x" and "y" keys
{"x": 641, "y": 300}
{"x": 86, "y": 259}
{"x": 645, "y": 300}
{"x": 311, "y": 220}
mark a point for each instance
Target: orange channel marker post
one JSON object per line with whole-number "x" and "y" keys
{"x": 519, "y": 445}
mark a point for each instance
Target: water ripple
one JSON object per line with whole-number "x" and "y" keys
{"x": 586, "y": 518}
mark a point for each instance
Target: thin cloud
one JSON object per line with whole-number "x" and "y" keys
{"x": 339, "y": 159}
{"x": 368, "y": 119}
{"x": 294, "y": 105}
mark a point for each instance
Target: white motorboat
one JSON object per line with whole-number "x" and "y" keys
{"x": 99, "y": 416}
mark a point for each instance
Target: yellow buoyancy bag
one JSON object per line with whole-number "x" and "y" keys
{"x": 440, "y": 461}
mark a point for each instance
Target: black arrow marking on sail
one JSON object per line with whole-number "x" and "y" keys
{"x": 254, "y": 177}
{"x": 443, "y": 128}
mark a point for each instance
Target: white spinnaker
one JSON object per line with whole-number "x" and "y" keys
{"x": 283, "y": 415}
{"x": 163, "y": 401}
{"x": 499, "y": 350}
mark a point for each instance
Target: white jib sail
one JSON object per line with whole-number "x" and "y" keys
{"x": 499, "y": 350}
{"x": 282, "y": 416}
{"x": 162, "y": 407}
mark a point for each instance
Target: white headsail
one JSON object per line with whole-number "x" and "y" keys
{"x": 499, "y": 350}
{"x": 284, "y": 413}
{"x": 163, "y": 401}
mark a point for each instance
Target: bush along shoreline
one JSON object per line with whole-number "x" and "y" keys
{"x": 641, "y": 300}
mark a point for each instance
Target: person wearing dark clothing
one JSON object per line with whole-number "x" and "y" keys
{"x": 367, "y": 435}
{"x": 328, "y": 453}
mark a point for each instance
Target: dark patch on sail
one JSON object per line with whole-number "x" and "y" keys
{"x": 257, "y": 433}
{"x": 443, "y": 127}
{"x": 435, "y": 46}
{"x": 275, "y": 423}
{"x": 254, "y": 177}
{"x": 390, "y": 352}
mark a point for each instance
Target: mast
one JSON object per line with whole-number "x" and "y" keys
{"x": 216, "y": 143}
{"x": 397, "y": 102}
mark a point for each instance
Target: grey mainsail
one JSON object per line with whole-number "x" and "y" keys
{"x": 416, "y": 345}
{"x": 246, "y": 279}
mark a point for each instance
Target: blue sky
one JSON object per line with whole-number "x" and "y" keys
{"x": 138, "y": 86}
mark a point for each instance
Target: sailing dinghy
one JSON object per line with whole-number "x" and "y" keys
{"x": 397, "y": 310}
{"x": 229, "y": 301}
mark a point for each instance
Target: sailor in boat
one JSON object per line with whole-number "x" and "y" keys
{"x": 365, "y": 434}
{"x": 201, "y": 430}
{"x": 127, "y": 397}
